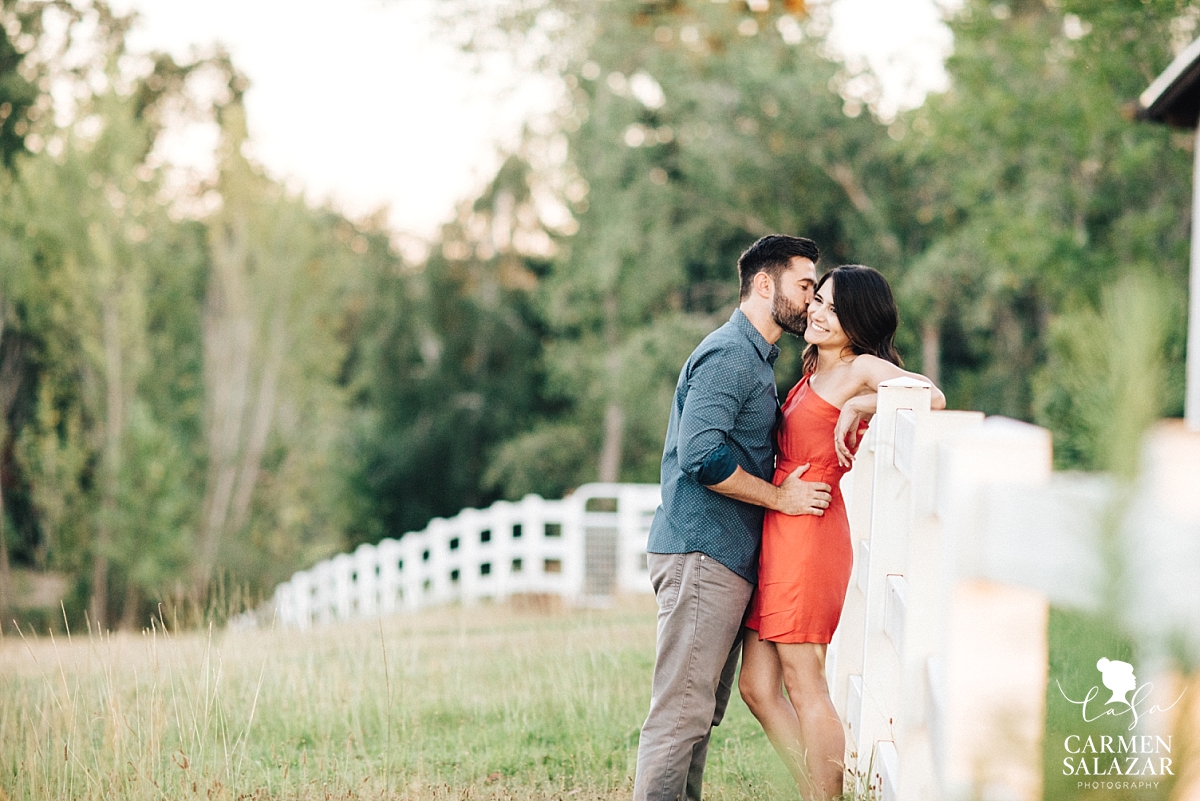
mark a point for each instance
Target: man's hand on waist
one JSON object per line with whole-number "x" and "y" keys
{"x": 799, "y": 497}
{"x": 793, "y": 497}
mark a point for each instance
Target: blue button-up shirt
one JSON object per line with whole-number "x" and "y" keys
{"x": 724, "y": 415}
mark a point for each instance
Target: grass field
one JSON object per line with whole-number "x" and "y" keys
{"x": 485, "y": 702}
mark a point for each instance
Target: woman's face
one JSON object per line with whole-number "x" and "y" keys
{"x": 824, "y": 330}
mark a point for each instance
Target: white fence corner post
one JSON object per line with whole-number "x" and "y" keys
{"x": 890, "y": 526}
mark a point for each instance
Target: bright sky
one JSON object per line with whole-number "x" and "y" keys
{"x": 363, "y": 103}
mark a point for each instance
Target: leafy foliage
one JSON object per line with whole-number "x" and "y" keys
{"x": 227, "y": 381}
{"x": 1038, "y": 192}
{"x": 107, "y": 295}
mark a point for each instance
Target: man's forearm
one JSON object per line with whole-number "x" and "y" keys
{"x": 791, "y": 497}
{"x": 741, "y": 486}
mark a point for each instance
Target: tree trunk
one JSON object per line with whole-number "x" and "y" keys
{"x": 228, "y": 333}
{"x": 131, "y": 609}
{"x": 610, "y": 453}
{"x": 237, "y": 371}
{"x": 5, "y": 573}
{"x": 260, "y": 423}
{"x": 5, "y": 403}
{"x": 614, "y": 412}
{"x": 931, "y": 352}
{"x": 114, "y": 428}
{"x": 245, "y": 345}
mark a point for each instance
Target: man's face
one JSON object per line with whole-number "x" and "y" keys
{"x": 793, "y": 293}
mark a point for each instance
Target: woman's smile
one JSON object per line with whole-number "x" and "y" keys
{"x": 823, "y": 328}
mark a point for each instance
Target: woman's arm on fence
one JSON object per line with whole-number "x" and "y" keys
{"x": 872, "y": 371}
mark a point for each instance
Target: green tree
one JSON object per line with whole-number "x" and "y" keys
{"x": 88, "y": 224}
{"x": 1037, "y": 192}
{"x": 285, "y": 285}
{"x": 181, "y": 407}
{"x": 19, "y": 30}
{"x": 691, "y": 130}
{"x": 448, "y": 366}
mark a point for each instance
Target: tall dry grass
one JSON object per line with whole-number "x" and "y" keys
{"x": 484, "y": 702}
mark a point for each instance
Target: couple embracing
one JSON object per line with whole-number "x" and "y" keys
{"x": 750, "y": 551}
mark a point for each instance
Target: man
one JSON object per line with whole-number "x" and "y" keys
{"x": 703, "y": 549}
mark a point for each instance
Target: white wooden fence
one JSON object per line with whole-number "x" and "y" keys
{"x": 963, "y": 537}
{"x": 584, "y": 548}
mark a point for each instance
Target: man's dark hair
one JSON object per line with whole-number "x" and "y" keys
{"x": 771, "y": 255}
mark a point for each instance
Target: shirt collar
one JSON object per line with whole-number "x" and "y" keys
{"x": 765, "y": 349}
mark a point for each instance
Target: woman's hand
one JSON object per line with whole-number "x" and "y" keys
{"x": 845, "y": 433}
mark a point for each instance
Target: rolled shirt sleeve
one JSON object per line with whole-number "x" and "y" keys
{"x": 719, "y": 466}
{"x": 715, "y": 395}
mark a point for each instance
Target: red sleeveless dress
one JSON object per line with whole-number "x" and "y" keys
{"x": 804, "y": 566}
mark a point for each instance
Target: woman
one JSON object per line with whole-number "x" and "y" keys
{"x": 805, "y": 562}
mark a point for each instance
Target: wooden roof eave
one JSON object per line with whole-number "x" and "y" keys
{"x": 1174, "y": 96}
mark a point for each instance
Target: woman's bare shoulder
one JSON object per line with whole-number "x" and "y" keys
{"x": 868, "y": 363}
{"x": 870, "y": 371}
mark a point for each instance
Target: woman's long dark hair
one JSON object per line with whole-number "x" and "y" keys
{"x": 866, "y": 310}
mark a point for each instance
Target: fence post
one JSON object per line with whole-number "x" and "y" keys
{"x": 417, "y": 558}
{"x": 302, "y": 598}
{"x": 468, "y": 524}
{"x": 1161, "y": 539}
{"x": 996, "y": 651}
{"x": 524, "y": 553}
{"x": 925, "y": 619}
{"x": 366, "y": 581}
{"x": 574, "y": 542}
{"x": 342, "y": 573}
{"x": 498, "y": 549}
{"x": 323, "y": 594}
{"x": 638, "y": 503}
{"x": 287, "y": 612}
{"x": 437, "y": 542}
{"x": 390, "y": 557}
{"x": 886, "y": 586}
{"x": 844, "y": 658}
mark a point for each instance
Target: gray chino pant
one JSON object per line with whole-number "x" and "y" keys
{"x": 701, "y": 605}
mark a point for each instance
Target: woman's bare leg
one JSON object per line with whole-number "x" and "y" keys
{"x": 761, "y": 687}
{"x": 803, "y": 666}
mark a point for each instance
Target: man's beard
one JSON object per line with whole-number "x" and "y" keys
{"x": 789, "y": 316}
